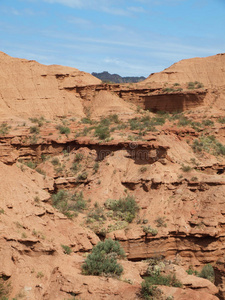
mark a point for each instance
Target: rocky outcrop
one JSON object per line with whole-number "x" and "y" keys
{"x": 29, "y": 89}
{"x": 209, "y": 71}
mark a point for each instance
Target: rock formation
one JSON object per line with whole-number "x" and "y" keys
{"x": 102, "y": 147}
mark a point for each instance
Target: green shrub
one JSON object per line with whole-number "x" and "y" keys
{"x": 191, "y": 85}
{"x": 221, "y": 120}
{"x": 96, "y": 214}
{"x": 86, "y": 121}
{"x": 148, "y": 229}
{"x": 149, "y": 291}
{"x": 207, "y": 122}
{"x": 114, "y": 118}
{"x": 96, "y": 167}
{"x": 63, "y": 129}
{"x": 102, "y": 132}
{"x": 34, "y": 129}
{"x": 69, "y": 204}
{"x": 191, "y": 271}
{"x": 207, "y": 272}
{"x": 186, "y": 168}
{"x": 82, "y": 176}
{"x": 168, "y": 90}
{"x": 103, "y": 259}
{"x": 39, "y": 121}
{"x": 30, "y": 164}
{"x": 40, "y": 171}
{"x": 78, "y": 157}
{"x": 66, "y": 249}
{"x": 55, "y": 161}
{"x": 195, "y": 85}
{"x": 4, "y": 128}
{"x": 77, "y": 202}
{"x": 168, "y": 280}
{"x": 125, "y": 208}
{"x": 160, "y": 222}
{"x": 184, "y": 121}
{"x": 208, "y": 144}
{"x": 143, "y": 169}
{"x": 75, "y": 167}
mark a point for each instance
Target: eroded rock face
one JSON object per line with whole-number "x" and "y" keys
{"x": 180, "y": 193}
{"x": 29, "y": 89}
{"x": 209, "y": 71}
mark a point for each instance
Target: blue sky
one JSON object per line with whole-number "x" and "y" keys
{"x": 130, "y": 38}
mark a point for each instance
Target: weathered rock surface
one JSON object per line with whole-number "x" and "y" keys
{"x": 208, "y": 70}
{"x": 185, "y": 206}
{"x": 29, "y": 89}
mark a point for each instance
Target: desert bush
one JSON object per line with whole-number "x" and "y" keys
{"x": 207, "y": 272}
{"x": 66, "y": 249}
{"x": 55, "y": 161}
{"x": 75, "y": 167}
{"x": 124, "y": 208}
{"x": 208, "y": 144}
{"x": 149, "y": 291}
{"x": 114, "y": 118}
{"x": 4, "y": 128}
{"x": 96, "y": 167}
{"x": 221, "y": 120}
{"x": 77, "y": 202}
{"x": 184, "y": 121}
{"x": 34, "y": 129}
{"x": 148, "y": 229}
{"x": 69, "y": 204}
{"x": 143, "y": 169}
{"x": 159, "y": 279}
{"x": 145, "y": 124}
{"x": 39, "y": 121}
{"x": 86, "y": 121}
{"x": 168, "y": 90}
{"x": 191, "y": 85}
{"x": 78, "y": 157}
{"x": 102, "y": 131}
{"x": 96, "y": 214}
{"x": 63, "y": 129}
{"x": 160, "y": 222}
{"x": 191, "y": 271}
{"x": 186, "y": 168}
{"x": 30, "y": 164}
{"x": 207, "y": 122}
{"x": 82, "y": 176}
{"x": 195, "y": 85}
{"x": 40, "y": 171}
{"x": 103, "y": 259}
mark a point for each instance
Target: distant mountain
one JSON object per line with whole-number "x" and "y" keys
{"x": 115, "y": 78}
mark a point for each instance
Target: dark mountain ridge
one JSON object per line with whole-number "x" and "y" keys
{"x": 115, "y": 78}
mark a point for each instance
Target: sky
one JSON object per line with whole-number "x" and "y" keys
{"x": 126, "y": 37}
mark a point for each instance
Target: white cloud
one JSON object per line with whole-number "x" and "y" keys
{"x": 107, "y": 6}
{"x": 84, "y": 23}
{"x": 136, "y": 9}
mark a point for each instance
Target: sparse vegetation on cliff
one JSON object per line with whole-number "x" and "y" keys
{"x": 69, "y": 204}
{"x": 124, "y": 208}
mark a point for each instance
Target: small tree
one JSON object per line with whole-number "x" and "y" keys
{"x": 207, "y": 272}
{"x": 103, "y": 259}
